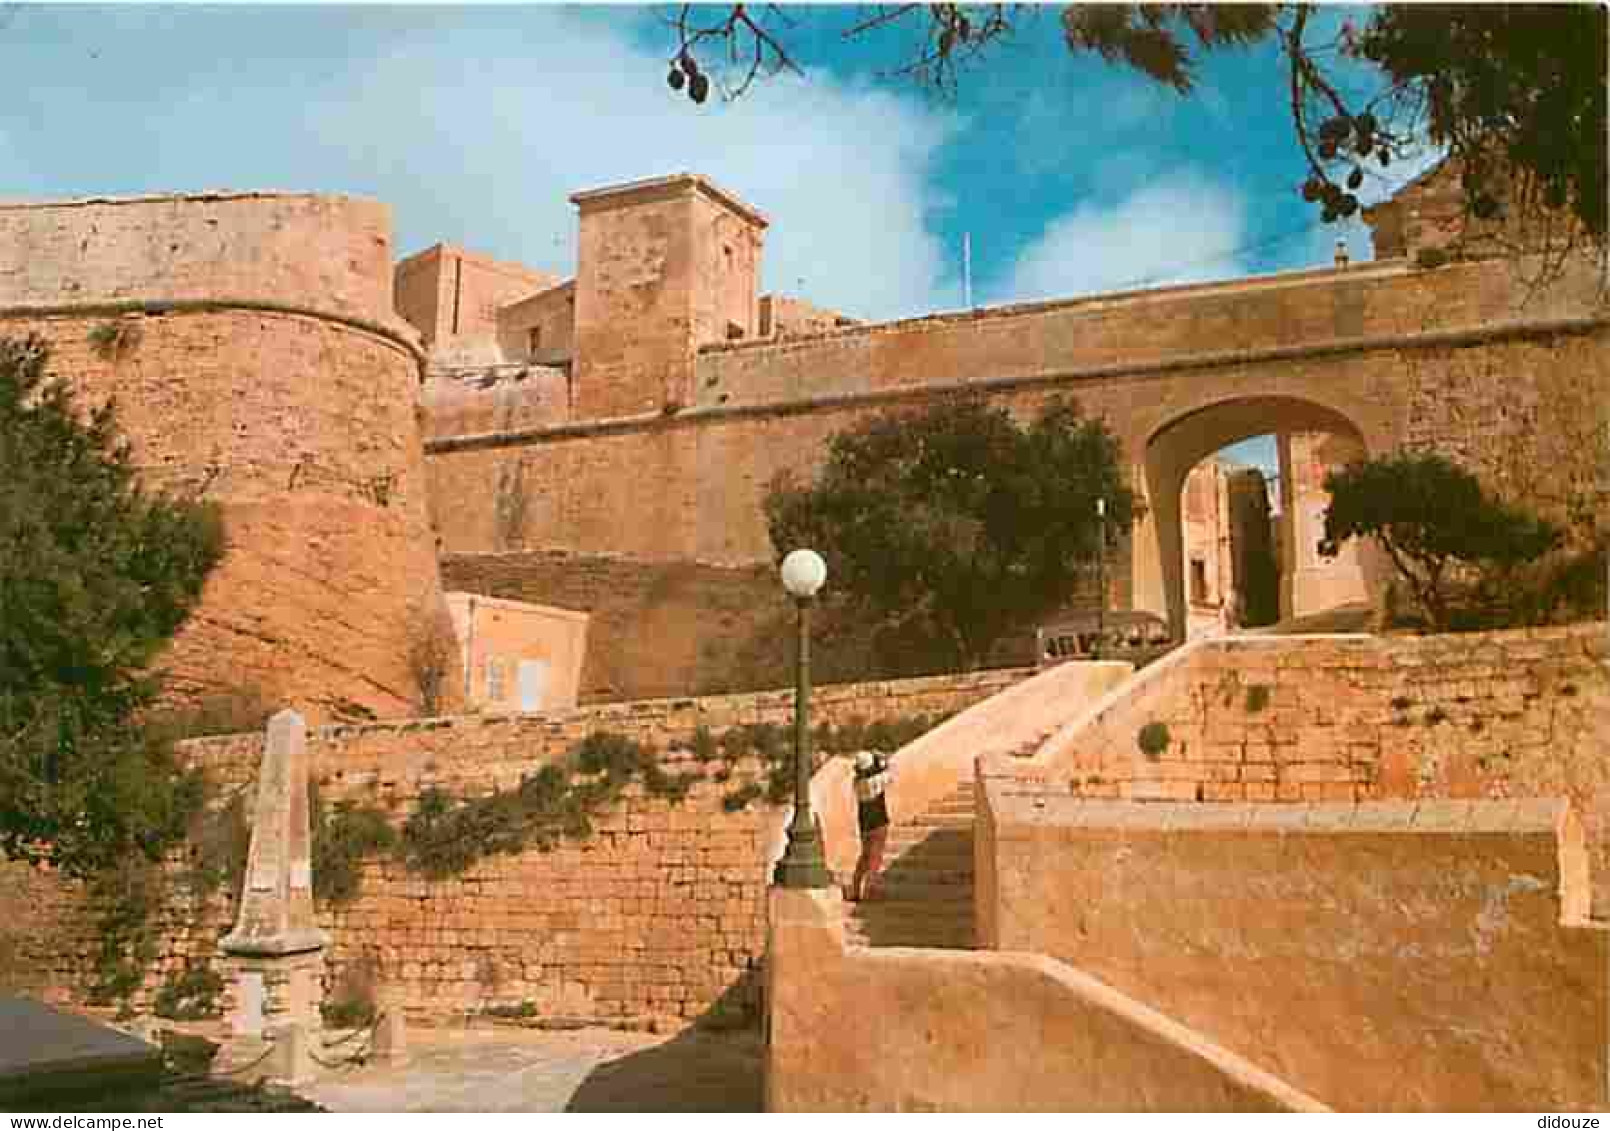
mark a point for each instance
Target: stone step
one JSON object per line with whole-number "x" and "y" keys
{"x": 954, "y": 939}
{"x": 930, "y": 881}
{"x": 890, "y": 912}
{"x": 928, "y": 848}
{"x": 936, "y": 820}
{"x": 925, "y": 887}
{"x": 956, "y": 871}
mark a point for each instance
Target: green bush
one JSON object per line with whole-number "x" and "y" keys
{"x": 342, "y": 839}
{"x": 1153, "y": 739}
{"x": 1257, "y": 698}
{"x": 1440, "y": 529}
{"x": 348, "y": 1013}
{"x": 219, "y": 840}
{"x": 351, "y": 1003}
{"x": 518, "y": 1011}
{"x": 920, "y": 512}
{"x": 126, "y": 902}
{"x": 190, "y": 995}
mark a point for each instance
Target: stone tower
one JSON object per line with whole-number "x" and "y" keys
{"x": 250, "y": 344}
{"x": 664, "y": 266}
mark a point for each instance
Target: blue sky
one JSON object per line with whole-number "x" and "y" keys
{"x": 1072, "y": 176}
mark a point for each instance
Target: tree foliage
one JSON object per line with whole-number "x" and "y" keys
{"x": 95, "y": 577}
{"x": 1514, "y": 92}
{"x": 955, "y": 517}
{"x": 1431, "y": 518}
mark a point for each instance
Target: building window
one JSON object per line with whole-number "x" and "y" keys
{"x": 534, "y": 338}
{"x": 494, "y": 679}
{"x": 1198, "y": 581}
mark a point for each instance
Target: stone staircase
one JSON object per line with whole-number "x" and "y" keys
{"x": 926, "y": 896}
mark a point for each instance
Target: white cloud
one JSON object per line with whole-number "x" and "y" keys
{"x": 1183, "y": 227}
{"x": 475, "y": 124}
{"x": 487, "y": 157}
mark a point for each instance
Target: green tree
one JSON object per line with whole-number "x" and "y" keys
{"x": 95, "y": 577}
{"x": 1502, "y": 88}
{"x": 956, "y": 519}
{"x": 1432, "y": 519}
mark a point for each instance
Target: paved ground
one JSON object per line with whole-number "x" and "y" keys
{"x": 533, "y": 1070}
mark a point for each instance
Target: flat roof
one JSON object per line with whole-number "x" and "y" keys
{"x": 667, "y": 185}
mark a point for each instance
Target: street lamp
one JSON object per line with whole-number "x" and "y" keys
{"x": 802, "y": 865}
{"x": 1101, "y": 575}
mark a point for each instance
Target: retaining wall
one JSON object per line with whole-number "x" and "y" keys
{"x": 1398, "y": 956}
{"x": 896, "y": 1029}
{"x": 656, "y": 916}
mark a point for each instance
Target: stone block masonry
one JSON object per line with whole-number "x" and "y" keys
{"x": 1521, "y": 713}
{"x": 1448, "y": 359}
{"x": 657, "y": 627}
{"x": 257, "y": 363}
{"x": 658, "y": 915}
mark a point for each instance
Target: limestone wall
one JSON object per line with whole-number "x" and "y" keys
{"x": 517, "y": 656}
{"x": 330, "y": 253}
{"x": 493, "y": 398}
{"x": 657, "y": 627}
{"x": 1262, "y": 718}
{"x": 1400, "y": 956}
{"x": 453, "y": 296}
{"x": 542, "y": 326}
{"x": 1013, "y": 720}
{"x": 1452, "y": 358}
{"x": 897, "y": 1029}
{"x": 1166, "y": 325}
{"x": 258, "y": 365}
{"x": 656, "y": 915}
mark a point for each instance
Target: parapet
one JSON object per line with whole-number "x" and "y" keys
{"x": 327, "y": 253}
{"x": 657, "y": 188}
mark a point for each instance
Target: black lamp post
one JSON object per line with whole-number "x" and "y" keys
{"x": 1101, "y": 576}
{"x": 802, "y": 865}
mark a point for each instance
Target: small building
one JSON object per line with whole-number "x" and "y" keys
{"x": 518, "y": 656}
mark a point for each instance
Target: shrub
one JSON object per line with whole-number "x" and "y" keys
{"x": 190, "y": 995}
{"x": 1257, "y": 698}
{"x": 126, "y": 902}
{"x": 351, "y": 1003}
{"x": 518, "y": 1011}
{"x": 115, "y": 339}
{"x": 1153, "y": 739}
{"x": 919, "y": 513}
{"x": 220, "y": 840}
{"x": 1435, "y": 523}
{"x": 342, "y": 839}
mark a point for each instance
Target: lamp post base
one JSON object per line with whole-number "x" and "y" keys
{"x": 802, "y": 865}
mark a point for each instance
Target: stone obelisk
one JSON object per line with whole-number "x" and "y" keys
{"x": 276, "y": 950}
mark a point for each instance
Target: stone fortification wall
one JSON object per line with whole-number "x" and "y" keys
{"x": 327, "y": 253}
{"x": 657, "y": 628}
{"x": 658, "y": 914}
{"x": 902, "y": 1029}
{"x": 453, "y": 297}
{"x": 1447, "y": 358}
{"x": 1400, "y": 956}
{"x": 493, "y": 398}
{"x": 1354, "y": 718}
{"x": 540, "y": 327}
{"x": 251, "y": 350}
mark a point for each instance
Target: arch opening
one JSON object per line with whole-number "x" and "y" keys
{"x": 1200, "y": 558}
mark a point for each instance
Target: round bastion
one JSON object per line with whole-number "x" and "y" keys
{"x": 252, "y": 351}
